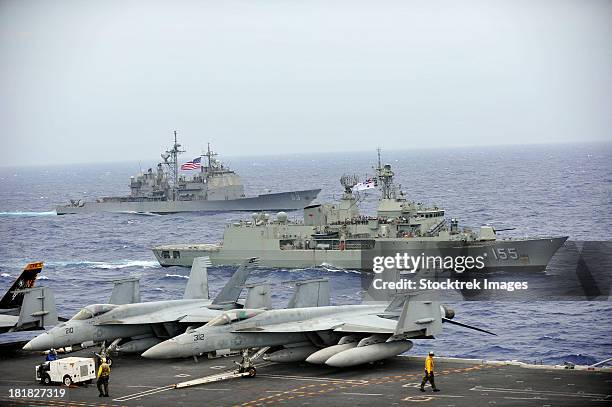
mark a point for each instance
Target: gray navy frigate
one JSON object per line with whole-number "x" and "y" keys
{"x": 337, "y": 235}
{"x": 214, "y": 188}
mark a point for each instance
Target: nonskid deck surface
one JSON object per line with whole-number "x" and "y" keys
{"x": 139, "y": 382}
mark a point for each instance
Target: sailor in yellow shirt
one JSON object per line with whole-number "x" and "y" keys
{"x": 429, "y": 373}
{"x": 103, "y": 376}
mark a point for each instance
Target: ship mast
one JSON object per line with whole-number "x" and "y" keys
{"x": 210, "y": 155}
{"x": 385, "y": 175}
{"x": 173, "y": 164}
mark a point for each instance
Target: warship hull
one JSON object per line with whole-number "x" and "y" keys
{"x": 294, "y": 200}
{"x": 531, "y": 254}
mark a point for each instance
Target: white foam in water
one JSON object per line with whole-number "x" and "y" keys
{"x": 43, "y": 278}
{"x": 176, "y": 276}
{"x": 129, "y": 263}
{"x": 120, "y": 264}
{"x": 329, "y": 267}
{"x": 5, "y": 275}
{"x": 141, "y": 213}
{"x": 50, "y": 213}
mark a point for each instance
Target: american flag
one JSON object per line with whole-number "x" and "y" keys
{"x": 193, "y": 164}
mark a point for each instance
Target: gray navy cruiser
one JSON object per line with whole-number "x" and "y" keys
{"x": 214, "y": 188}
{"x": 338, "y": 236}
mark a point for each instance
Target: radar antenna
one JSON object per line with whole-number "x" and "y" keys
{"x": 348, "y": 182}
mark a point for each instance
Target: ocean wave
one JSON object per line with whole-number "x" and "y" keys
{"x": 129, "y": 263}
{"x": 43, "y": 277}
{"x": 352, "y": 271}
{"x": 119, "y": 264}
{"x": 175, "y": 276}
{"x": 545, "y": 338}
{"x": 5, "y": 275}
{"x": 50, "y": 213}
{"x": 331, "y": 268}
{"x": 141, "y": 213}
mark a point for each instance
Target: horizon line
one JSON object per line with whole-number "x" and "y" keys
{"x": 306, "y": 153}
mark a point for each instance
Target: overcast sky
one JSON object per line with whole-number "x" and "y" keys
{"x": 94, "y": 81}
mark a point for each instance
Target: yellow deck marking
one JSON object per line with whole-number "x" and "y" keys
{"x": 338, "y": 384}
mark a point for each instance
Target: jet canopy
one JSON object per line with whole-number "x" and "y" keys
{"x": 233, "y": 316}
{"x": 91, "y": 311}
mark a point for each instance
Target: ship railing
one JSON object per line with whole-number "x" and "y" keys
{"x": 130, "y": 199}
{"x": 337, "y": 244}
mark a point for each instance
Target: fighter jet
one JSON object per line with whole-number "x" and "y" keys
{"x": 340, "y": 336}
{"x": 24, "y": 307}
{"x": 134, "y": 327}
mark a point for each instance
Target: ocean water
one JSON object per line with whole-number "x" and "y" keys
{"x": 539, "y": 190}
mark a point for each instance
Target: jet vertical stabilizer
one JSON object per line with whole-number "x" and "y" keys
{"x": 418, "y": 314}
{"x": 37, "y": 310}
{"x": 310, "y": 293}
{"x": 197, "y": 285}
{"x": 258, "y": 296}
{"x": 12, "y": 298}
{"x": 125, "y": 291}
{"x": 231, "y": 291}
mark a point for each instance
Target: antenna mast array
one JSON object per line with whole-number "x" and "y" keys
{"x": 385, "y": 175}
{"x": 170, "y": 158}
{"x": 211, "y": 160}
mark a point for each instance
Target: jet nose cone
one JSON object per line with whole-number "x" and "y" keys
{"x": 165, "y": 350}
{"x": 41, "y": 342}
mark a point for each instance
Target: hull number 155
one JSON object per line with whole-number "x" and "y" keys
{"x": 503, "y": 253}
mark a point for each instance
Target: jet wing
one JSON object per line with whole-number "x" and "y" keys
{"x": 7, "y": 322}
{"x": 201, "y": 314}
{"x": 368, "y": 323}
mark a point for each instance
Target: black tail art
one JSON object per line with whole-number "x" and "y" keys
{"x": 12, "y": 298}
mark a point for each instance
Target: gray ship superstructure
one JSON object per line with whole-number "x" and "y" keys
{"x": 215, "y": 188}
{"x": 338, "y": 236}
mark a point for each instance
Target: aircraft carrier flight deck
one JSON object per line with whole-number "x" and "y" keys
{"x": 394, "y": 382}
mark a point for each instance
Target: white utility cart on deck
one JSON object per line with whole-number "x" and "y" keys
{"x": 67, "y": 371}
